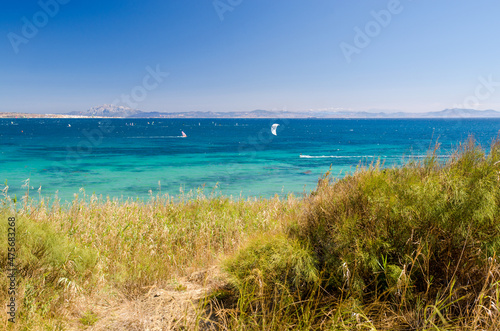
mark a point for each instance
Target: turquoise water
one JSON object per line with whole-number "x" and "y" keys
{"x": 129, "y": 157}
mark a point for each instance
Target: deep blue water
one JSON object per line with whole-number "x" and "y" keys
{"x": 130, "y": 157}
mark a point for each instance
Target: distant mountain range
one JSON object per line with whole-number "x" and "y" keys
{"x": 126, "y": 112}
{"x": 107, "y": 111}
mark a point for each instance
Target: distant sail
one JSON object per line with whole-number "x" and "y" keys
{"x": 273, "y": 129}
{"x": 183, "y": 134}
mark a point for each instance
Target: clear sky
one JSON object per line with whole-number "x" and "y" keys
{"x": 241, "y": 55}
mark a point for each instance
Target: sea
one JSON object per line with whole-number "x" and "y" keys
{"x": 239, "y": 158}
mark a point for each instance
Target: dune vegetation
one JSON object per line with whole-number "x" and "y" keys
{"x": 407, "y": 248}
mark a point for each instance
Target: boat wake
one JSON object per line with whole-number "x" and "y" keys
{"x": 157, "y": 137}
{"x": 338, "y": 156}
{"x": 363, "y": 156}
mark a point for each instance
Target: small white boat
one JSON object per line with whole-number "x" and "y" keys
{"x": 183, "y": 134}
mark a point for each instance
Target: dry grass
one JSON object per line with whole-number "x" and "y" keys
{"x": 136, "y": 246}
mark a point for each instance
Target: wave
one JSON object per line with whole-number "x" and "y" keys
{"x": 149, "y": 137}
{"x": 338, "y": 156}
{"x": 425, "y": 156}
{"x": 362, "y": 156}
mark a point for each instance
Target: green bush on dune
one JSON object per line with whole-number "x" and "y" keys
{"x": 271, "y": 274}
{"x": 428, "y": 224}
{"x": 268, "y": 261}
{"x": 426, "y": 232}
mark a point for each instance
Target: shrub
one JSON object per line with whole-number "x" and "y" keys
{"x": 418, "y": 243}
{"x": 269, "y": 262}
{"x": 408, "y": 232}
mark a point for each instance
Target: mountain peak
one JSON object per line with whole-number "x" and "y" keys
{"x": 108, "y": 110}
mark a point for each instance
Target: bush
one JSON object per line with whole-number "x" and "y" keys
{"x": 417, "y": 243}
{"x": 408, "y": 232}
{"x": 271, "y": 262}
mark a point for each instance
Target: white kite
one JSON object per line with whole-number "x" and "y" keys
{"x": 273, "y": 129}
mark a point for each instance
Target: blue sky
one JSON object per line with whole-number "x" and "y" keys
{"x": 241, "y": 55}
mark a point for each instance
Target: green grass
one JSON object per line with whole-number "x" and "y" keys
{"x": 413, "y": 247}
{"x": 89, "y": 318}
{"x": 267, "y": 261}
